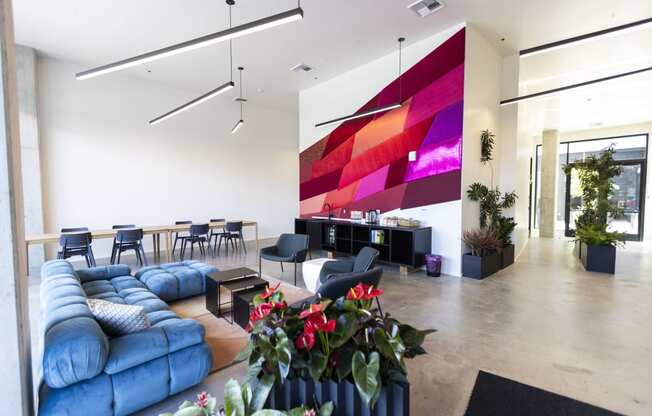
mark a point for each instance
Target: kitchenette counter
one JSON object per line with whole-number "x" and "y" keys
{"x": 404, "y": 246}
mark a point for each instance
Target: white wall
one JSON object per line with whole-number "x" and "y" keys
{"x": 345, "y": 94}
{"x": 482, "y": 85}
{"x": 103, "y": 163}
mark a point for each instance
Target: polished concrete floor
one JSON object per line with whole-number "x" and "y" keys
{"x": 543, "y": 321}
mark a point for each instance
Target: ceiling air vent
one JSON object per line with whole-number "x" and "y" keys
{"x": 425, "y": 7}
{"x": 301, "y": 68}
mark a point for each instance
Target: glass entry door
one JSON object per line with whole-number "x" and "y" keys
{"x": 629, "y": 189}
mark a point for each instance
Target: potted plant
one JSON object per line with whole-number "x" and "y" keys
{"x": 484, "y": 258}
{"x": 342, "y": 351}
{"x": 597, "y": 245}
{"x": 492, "y": 203}
{"x": 242, "y": 400}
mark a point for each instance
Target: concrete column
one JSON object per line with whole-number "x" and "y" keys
{"x": 29, "y": 149}
{"x": 15, "y": 365}
{"x": 549, "y": 166}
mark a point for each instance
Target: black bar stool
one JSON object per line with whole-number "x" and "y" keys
{"x": 115, "y": 240}
{"x": 232, "y": 234}
{"x": 215, "y": 234}
{"x": 131, "y": 239}
{"x": 180, "y": 235}
{"x": 198, "y": 234}
{"x": 76, "y": 243}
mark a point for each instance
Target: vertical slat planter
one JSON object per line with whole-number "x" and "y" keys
{"x": 600, "y": 259}
{"x": 394, "y": 398}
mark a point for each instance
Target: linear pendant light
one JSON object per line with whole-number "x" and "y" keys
{"x": 231, "y": 33}
{"x": 211, "y": 94}
{"x": 187, "y": 106}
{"x": 379, "y": 109}
{"x": 241, "y": 100}
{"x": 570, "y": 87}
{"x": 600, "y": 34}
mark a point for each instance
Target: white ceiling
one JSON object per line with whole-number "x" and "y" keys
{"x": 334, "y": 36}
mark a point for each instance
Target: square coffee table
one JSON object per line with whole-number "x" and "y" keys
{"x": 233, "y": 280}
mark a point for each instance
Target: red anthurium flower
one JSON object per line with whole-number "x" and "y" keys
{"x": 269, "y": 291}
{"x": 202, "y": 400}
{"x": 313, "y": 309}
{"x": 305, "y": 341}
{"x": 363, "y": 292}
{"x": 371, "y": 292}
{"x": 319, "y": 323}
{"x": 280, "y": 305}
{"x": 310, "y": 412}
{"x": 334, "y": 359}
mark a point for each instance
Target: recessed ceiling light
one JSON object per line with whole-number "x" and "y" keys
{"x": 425, "y": 8}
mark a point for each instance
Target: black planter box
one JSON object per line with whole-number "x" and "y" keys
{"x": 507, "y": 256}
{"x": 394, "y": 398}
{"x": 477, "y": 267}
{"x": 600, "y": 259}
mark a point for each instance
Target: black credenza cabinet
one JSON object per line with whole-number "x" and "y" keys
{"x": 404, "y": 246}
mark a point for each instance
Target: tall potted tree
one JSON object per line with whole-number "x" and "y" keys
{"x": 597, "y": 245}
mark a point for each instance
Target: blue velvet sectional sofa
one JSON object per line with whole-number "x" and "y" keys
{"x": 86, "y": 372}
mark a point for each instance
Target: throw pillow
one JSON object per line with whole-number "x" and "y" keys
{"x": 118, "y": 319}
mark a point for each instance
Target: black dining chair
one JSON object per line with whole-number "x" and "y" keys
{"x": 115, "y": 240}
{"x": 289, "y": 248}
{"x": 198, "y": 235}
{"x": 76, "y": 243}
{"x": 131, "y": 239}
{"x": 180, "y": 235}
{"x": 232, "y": 234}
{"x": 215, "y": 234}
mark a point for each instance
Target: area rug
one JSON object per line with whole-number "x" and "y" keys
{"x": 226, "y": 340}
{"x": 497, "y": 396}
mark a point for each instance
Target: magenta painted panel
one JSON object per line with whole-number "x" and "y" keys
{"x": 378, "y": 175}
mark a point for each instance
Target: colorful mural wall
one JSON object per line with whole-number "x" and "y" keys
{"x": 363, "y": 164}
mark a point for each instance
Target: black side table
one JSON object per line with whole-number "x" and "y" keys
{"x": 234, "y": 280}
{"x": 242, "y": 305}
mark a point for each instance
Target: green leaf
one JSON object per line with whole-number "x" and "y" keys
{"x": 166, "y": 414}
{"x": 326, "y": 409}
{"x": 186, "y": 403}
{"x": 211, "y": 405}
{"x": 254, "y": 369}
{"x": 246, "y": 352}
{"x": 391, "y": 347}
{"x": 346, "y": 356}
{"x": 366, "y": 376}
{"x": 412, "y": 336}
{"x": 246, "y": 394}
{"x": 317, "y": 364}
{"x": 347, "y": 326}
{"x": 283, "y": 353}
{"x": 297, "y": 411}
{"x": 268, "y": 412}
{"x": 261, "y": 392}
{"x": 233, "y": 403}
{"x": 190, "y": 411}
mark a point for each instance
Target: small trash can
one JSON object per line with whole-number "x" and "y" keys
{"x": 433, "y": 265}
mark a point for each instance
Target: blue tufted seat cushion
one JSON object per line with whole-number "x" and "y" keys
{"x": 174, "y": 281}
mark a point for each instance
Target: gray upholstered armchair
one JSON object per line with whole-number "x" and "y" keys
{"x": 290, "y": 248}
{"x": 364, "y": 261}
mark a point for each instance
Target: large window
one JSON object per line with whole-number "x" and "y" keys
{"x": 631, "y": 153}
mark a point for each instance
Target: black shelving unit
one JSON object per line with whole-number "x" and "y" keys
{"x": 401, "y": 245}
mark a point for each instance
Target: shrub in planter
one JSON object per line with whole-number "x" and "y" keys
{"x": 597, "y": 245}
{"x": 504, "y": 231}
{"x": 330, "y": 342}
{"x": 484, "y": 259}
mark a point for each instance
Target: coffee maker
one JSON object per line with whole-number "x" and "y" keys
{"x": 373, "y": 216}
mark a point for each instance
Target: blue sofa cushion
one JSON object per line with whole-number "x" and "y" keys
{"x": 134, "y": 349}
{"x": 172, "y": 281}
{"x": 90, "y": 397}
{"x": 75, "y": 350}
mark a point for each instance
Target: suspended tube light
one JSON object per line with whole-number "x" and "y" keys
{"x": 211, "y": 94}
{"x": 379, "y": 109}
{"x": 201, "y": 42}
{"x": 241, "y": 100}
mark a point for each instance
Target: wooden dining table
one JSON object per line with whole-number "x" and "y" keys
{"x": 154, "y": 231}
